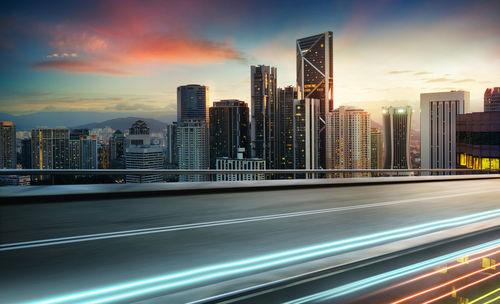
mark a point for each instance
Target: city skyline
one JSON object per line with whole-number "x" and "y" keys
{"x": 103, "y": 64}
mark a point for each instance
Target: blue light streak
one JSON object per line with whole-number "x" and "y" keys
{"x": 262, "y": 262}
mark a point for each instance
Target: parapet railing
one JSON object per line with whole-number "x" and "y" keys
{"x": 232, "y": 172}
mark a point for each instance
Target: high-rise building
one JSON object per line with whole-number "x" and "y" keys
{"x": 438, "y": 112}
{"x": 397, "y": 127}
{"x": 116, "y": 147}
{"x": 171, "y": 144}
{"x": 478, "y": 140}
{"x": 286, "y": 97}
{"x": 315, "y": 78}
{"x": 88, "y": 154}
{"x": 377, "y": 149}
{"x": 8, "y": 155}
{"x": 192, "y": 103}
{"x": 306, "y": 126}
{"x": 193, "y": 148}
{"x": 240, "y": 163}
{"x": 50, "y": 148}
{"x": 492, "y": 99}
{"x": 140, "y": 154}
{"x": 229, "y": 129}
{"x": 349, "y": 129}
{"x": 26, "y": 153}
{"x": 264, "y": 129}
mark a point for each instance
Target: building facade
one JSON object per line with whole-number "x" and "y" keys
{"x": 286, "y": 99}
{"x": 264, "y": 111}
{"x": 349, "y": 129}
{"x": 26, "y": 153}
{"x": 478, "y": 140}
{"x": 492, "y": 99}
{"x": 306, "y": 128}
{"x": 171, "y": 144}
{"x": 140, "y": 154}
{"x": 116, "y": 148}
{"x": 438, "y": 112}
{"x": 193, "y": 148}
{"x": 397, "y": 128}
{"x": 377, "y": 149}
{"x": 240, "y": 163}
{"x": 229, "y": 130}
{"x": 50, "y": 148}
{"x": 315, "y": 78}
{"x": 8, "y": 154}
{"x": 192, "y": 102}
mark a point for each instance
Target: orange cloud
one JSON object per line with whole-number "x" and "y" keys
{"x": 79, "y": 66}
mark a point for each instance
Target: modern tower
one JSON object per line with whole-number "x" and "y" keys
{"x": 286, "y": 97}
{"x": 377, "y": 149}
{"x": 438, "y": 116}
{"x": 397, "y": 128}
{"x": 193, "y": 149}
{"x": 492, "y": 100}
{"x": 116, "y": 147}
{"x": 315, "y": 78}
{"x": 229, "y": 130}
{"x": 50, "y": 148}
{"x": 264, "y": 108}
{"x": 192, "y": 103}
{"x": 349, "y": 129}
{"x": 8, "y": 155}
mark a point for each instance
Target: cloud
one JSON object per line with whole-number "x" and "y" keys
{"x": 421, "y": 73}
{"x": 400, "y": 72}
{"x": 464, "y": 80}
{"x": 79, "y": 66}
{"x": 442, "y": 79}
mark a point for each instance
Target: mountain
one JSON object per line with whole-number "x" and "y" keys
{"x": 66, "y": 119}
{"x": 125, "y": 123}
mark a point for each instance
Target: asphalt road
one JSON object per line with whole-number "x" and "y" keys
{"x": 96, "y": 244}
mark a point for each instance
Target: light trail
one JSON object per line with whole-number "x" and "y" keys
{"x": 444, "y": 284}
{"x": 394, "y": 274}
{"x": 462, "y": 288}
{"x": 484, "y": 296}
{"x": 135, "y": 232}
{"x": 492, "y": 300}
{"x": 276, "y": 259}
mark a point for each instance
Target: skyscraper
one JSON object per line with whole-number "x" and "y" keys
{"x": 193, "y": 149}
{"x": 140, "y": 154}
{"x": 397, "y": 127}
{"x": 349, "y": 129}
{"x": 286, "y": 97}
{"x": 50, "y": 148}
{"x": 377, "y": 149}
{"x": 8, "y": 155}
{"x": 117, "y": 148}
{"x": 492, "y": 99}
{"x": 192, "y": 103}
{"x": 306, "y": 126}
{"x": 264, "y": 129}
{"x": 438, "y": 115}
{"x": 229, "y": 130}
{"x": 315, "y": 78}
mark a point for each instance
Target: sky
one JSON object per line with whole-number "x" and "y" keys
{"x": 130, "y": 56}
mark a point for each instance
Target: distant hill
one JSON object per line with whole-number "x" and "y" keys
{"x": 375, "y": 124}
{"x": 125, "y": 123}
{"x": 66, "y": 119}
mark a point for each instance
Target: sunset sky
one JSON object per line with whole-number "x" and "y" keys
{"x": 129, "y": 56}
